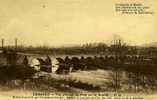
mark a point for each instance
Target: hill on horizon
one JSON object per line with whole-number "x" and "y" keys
{"x": 151, "y": 44}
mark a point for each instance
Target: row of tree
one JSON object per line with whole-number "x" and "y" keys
{"x": 90, "y": 48}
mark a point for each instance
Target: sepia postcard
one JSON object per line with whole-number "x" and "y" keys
{"x": 78, "y": 49}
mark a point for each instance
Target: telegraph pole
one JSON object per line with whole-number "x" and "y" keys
{"x": 2, "y": 43}
{"x": 16, "y": 40}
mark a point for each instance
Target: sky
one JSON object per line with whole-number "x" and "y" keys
{"x": 70, "y": 22}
